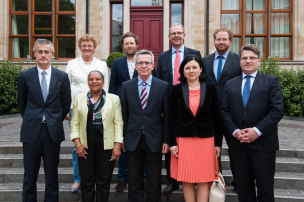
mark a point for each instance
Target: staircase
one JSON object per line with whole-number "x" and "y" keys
{"x": 289, "y": 177}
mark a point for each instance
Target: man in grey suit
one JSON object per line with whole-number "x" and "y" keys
{"x": 144, "y": 102}
{"x": 222, "y": 66}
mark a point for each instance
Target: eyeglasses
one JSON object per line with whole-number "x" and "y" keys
{"x": 40, "y": 52}
{"x": 142, "y": 63}
{"x": 88, "y": 46}
{"x": 244, "y": 59}
{"x": 177, "y": 33}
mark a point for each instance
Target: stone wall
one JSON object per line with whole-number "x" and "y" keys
{"x": 4, "y": 29}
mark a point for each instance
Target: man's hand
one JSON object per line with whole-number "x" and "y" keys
{"x": 249, "y": 135}
{"x": 239, "y": 134}
{"x": 67, "y": 116}
{"x": 174, "y": 151}
{"x": 123, "y": 147}
{"x": 165, "y": 148}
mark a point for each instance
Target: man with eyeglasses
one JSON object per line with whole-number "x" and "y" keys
{"x": 44, "y": 99}
{"x": 253, "y": 105}
{"x": 168, "y": 70}
{"x": 220, "y": 67}
{"x": 144, "y": 102}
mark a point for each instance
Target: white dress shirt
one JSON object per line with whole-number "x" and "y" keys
{"x": 47, "y": 76}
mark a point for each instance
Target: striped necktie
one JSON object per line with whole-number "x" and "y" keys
{"x": 143, "y": 97}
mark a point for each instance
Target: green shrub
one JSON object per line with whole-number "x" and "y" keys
{"x": 292, "y": 84}
{"x": 112, "y": 57}
{"x": 9, "y": 74}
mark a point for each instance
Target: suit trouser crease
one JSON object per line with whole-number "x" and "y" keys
{"x": 46, "y": 148}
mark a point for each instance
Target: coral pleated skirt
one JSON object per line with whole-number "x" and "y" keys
{"x": 195, "y": 162}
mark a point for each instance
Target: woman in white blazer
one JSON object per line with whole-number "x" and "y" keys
{"x": 78, "y": 70}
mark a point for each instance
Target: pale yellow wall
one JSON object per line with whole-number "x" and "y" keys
{"x": 4, "y": 29}
{"x": 298, "y": 30}
{"x": 80, "y": 23}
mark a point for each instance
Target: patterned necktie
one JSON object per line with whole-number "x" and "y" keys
{"x": 176, "y": 68}
{"x": 246, "y": 91}
{"x": 44, "y": 86}
{"x": 219, "y": 68}
{"x": 143, "y": 97}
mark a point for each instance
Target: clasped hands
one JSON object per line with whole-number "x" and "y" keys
{"x": 246, "y": 135}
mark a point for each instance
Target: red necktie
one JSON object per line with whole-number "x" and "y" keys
{"x": 176, "y": 68}
{"x": 143, "y": 97}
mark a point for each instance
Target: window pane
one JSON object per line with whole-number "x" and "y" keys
{"x": 280, "y": 23}
{"x": 255, "y": 23}
{"x": 43, "y": 5}
{"x": 66, "y": 48}
{"x": 66, "y": 24}
{"x": 176, "y": 13}
{"x": 116, "y": 27}
{"x": 19, "y": 24}
{"x": 280, "y": 4}
{"x": 230, "y": 5}
{"x": 258, "y": 41}
{"x": 66, "y": 5}
{"x": 43, "y": 24}
{"x": 146, "y": 3}
{"x": 255, "y": 5}
{"x": 19, "y": 47}
{"x": 231, "y": 21}
{"x": 19, "y": 5}
{"x": 280, "y": 47}
{"x": 235, "y": 45}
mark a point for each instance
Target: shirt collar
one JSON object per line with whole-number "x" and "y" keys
{"x": 252, "y": 75}
{"x": 48, "y": 70}
{"x": 181, "y": 49}
{"x": 148, "y": 81}
{"x": 225, "y": 55}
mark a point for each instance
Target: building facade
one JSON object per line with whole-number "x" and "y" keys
{"x": 275, "y": 26}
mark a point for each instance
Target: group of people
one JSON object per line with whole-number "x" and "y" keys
{"x": 139, "y": 113}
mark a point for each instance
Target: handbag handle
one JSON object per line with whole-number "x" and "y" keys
{"x": 216, "y": 167}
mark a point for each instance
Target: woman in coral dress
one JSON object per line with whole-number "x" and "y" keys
{"x": 194, "y": 130}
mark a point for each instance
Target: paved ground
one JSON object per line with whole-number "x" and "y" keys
{"x": 291, "y": 133}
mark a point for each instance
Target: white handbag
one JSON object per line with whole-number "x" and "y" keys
{"x": 218, "y": 189}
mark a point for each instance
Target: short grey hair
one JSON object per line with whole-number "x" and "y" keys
{"x": 176, "y": 24}
{"x": 144, "y": 52}
{"x": 43, "y": 41}
{"x": 251, "y": 47}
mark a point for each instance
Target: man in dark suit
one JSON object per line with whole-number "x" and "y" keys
{"x": 168, "y": 70}
{"x": 221, "y": 66}
{"x": 44, "y": 99}
{"x": 253, "y": 105}
{"x": 144, "y": 102}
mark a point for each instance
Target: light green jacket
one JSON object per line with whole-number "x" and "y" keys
{"x": 111, "y": 118}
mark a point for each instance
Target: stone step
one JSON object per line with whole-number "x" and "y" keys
{"x": 67, "y": 147}
{"x": 285, "y": 180}
{"x": 282, "y": 164}
{"x": 13, "y": 192}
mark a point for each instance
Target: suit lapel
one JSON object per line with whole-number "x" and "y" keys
{"x": 135, "y": 91}
{"x": 186, "y": 52}
{"x": 255, "y": 87}
{"x": 152, "y": 92}
{"x": 37, "y": 83}
{"x": 239, "y": 89}
{"x": 210, "y": 67}
{"x": 82, "y": 66}
{"x": 53, "y": 82}
{"x": 202, "y": 96}
{"x": 185, "y": 90}
{"x": 227, "y": 65}
{"x": 169, "y": 63}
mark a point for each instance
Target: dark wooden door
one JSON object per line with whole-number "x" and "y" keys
{"x": 147, "y": 24}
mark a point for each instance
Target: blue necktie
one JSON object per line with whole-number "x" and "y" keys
{"x": 219, "y": 68}
{"x": 246, "y": 91}
{"x": 44, "y": 86}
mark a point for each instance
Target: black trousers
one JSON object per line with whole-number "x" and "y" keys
{"x": 96, "y": 168}
{"x": 49, "y": 151}
{"x": 253, "y": 165}
{"x": 135, "y": 161}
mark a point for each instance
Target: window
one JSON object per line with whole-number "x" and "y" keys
{"x": 146, "y": 3}
{"x": 176, "y": 12}
{"x": 116, "y": 26}
{"x": 253, "y": 25}
{"x": 50, "y": 19}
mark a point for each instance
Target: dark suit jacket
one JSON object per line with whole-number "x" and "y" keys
{"x": 120, "y": 74}
{"x": 264, "y": 109}
{"x": 154, "y": 119}
{"x": 182, "y": 122}
{"x": 231, "y": 69}
{"x": 164, "y": 66}
{"x": 32, "y": 107}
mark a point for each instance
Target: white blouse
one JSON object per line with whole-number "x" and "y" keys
{"x": 78, "y": 73}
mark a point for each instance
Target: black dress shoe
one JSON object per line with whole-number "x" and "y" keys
{"x": 170, "y": 188}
